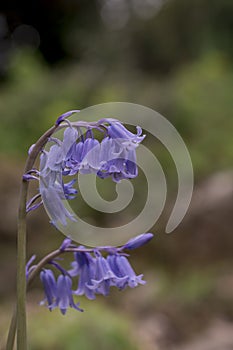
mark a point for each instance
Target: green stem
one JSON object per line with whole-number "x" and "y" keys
{"x": 21, "y": 250}
{"x": 12, "y": 330}
{"x": 21, "y": 277}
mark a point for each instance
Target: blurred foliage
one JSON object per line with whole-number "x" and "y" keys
{"x": 198, "y": 102}
{"x": 96, "y": 328}
{"x": 99, "y": 328}
{"x": 153, "y": 36}
{"x": 203, "y": 111}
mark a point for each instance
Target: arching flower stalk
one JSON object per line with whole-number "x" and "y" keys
{"x": 94, "y": 271}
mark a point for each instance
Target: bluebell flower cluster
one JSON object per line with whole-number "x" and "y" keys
{"x": 92, "y": 272}
{"x": 114, "y": 155}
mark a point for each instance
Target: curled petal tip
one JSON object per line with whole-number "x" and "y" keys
{"x": 65, "y": 115}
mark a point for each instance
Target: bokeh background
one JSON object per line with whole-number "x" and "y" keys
{"x": 175, "y": 56}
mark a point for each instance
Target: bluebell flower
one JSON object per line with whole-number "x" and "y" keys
{"x": 83, "y": 157}
{"x": 58, "y": 293}
{"x": 90, "y": 156}
{"x": 119, "y": 152}
{"x": 117, "y": 131}
{"x": 84, "y": 266}
{"x": 122, "y": 269}
{"x": 104, "y": 277}
{"x": 53, "y": 160}
{"x": 52, "y": 188}
{"x": 50, "y": 287}
{"x": 119, "y": 163}
{"x": 52, "y": 200}
{"x": 64, "y": 297}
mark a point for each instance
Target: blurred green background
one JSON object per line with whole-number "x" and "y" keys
{"x": 174, "y": 56}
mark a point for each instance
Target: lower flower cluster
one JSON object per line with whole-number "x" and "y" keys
{"x": 96, "y": 273}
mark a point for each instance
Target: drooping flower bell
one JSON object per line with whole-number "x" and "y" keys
{"x": 58, "y": 293}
